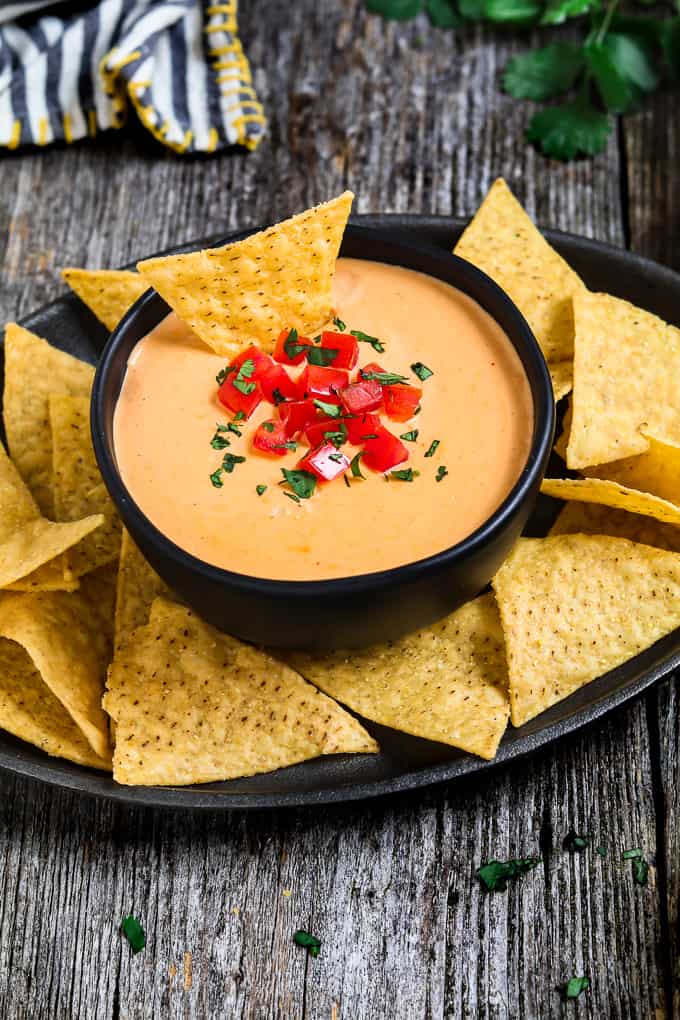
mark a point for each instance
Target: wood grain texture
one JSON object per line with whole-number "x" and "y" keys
{"x": 411, "y": 119}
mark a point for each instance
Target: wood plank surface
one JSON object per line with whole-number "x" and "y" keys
{"x": 411, "y": 119}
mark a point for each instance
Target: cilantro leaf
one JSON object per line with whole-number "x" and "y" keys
{"x": 616, "y": 91}
{"x": 512, "y": 12}
{"x": 366, "y": 338}
{"x": 216, "y": 478}
{"x": 309, "y": 942}
{"x": 557, "y": 11}
{"x": 631, "y": 855}
{"x": 330, "y": 410}
{"x": 495, "y": 875}
{"x": 395, "y": 10}
{"x": 320, "y": 355}
{"x": 442, "y": 472}
{"x": 422, "y": 371}
{"x": 564, "y": 132}
{"x": 640, "y": 871}
{"x": 404, "y": 475}
{"x": 229, "y": 462}
{"x": 303, "y": 483}
{"x": 544, "y": 73}
{"x": 246, "y": 370}
{"x": 339, "y": 324}
{"x": 574, "y": 986}
{"x": 410, "y": 437}
{"x": 442, "y": 13}
{"x": 575, "y": 843}
{"x": 432, "y": 448}
{"x": 384, "y": 378}
{"x": 471, "y": 10}
{"x": 134, "y": 933}
{"x": 260, "y": 489}
{"x": 355, "y": 465}
{"x": 219, "y": 442}
{"x": 634, "y": 60}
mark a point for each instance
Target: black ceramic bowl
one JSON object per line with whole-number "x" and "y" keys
{"x": 358, "y": 610}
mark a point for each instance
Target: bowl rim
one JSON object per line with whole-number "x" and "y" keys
{"x": 374, "y": 581}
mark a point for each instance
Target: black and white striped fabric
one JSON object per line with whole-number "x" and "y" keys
{"x": 69, "y": 70}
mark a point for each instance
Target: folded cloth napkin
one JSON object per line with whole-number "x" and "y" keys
{"x": 77, "y": 68}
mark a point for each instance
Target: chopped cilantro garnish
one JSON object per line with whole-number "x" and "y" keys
{"x": 630, "y": 855}
{"x": 278, "y": 397}
{"x": 433, "y": 448}
{"x": 309, "y": 942}
{"x": 268, "y": 426}
{"x": 574, "y": 986}
{"x": 370, "y": 435}
{"x": 384, "y": 378}
{"x": 442, "y": 472}
{"x": 303, "y": 483}
{"x": 410, "y": 437}
{"x": 331, "y": 410}
{"x": 289, "y": 445}
{"x": 422, "y": 371}
{"x": 240, "y": 416}
{"x": 417, "y": 410}
{"x": 336, "y": 457}
{"x": 640, "y": 871}
{"x": 321, "y": 355}
{"x": 337, "y": 438}
{"x": 230, "y": 427}
{"x": 229, "y": 462}
{"x": 339, "y": 324}
{"x": 216, "y": 478}
{"x": 495, "y": 875}
{"x": 346, "y": 481}
{"x": 354, "y": 465}
{"x": 574, "y": 843}
{"x": 291, "y": 495}
{"x": 134, "y": 933}
{"x": 219, "y": 442}
{"x": 223, "y": 373}
{"x": 364, "y": 338}
{"x": 246, "y": 370}
{"x": 260, "y": 489}
{"x": 602, "y": 850}
{"x": 404, "y": 475}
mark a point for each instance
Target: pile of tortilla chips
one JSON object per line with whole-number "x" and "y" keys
{"x": 101, "y": 664}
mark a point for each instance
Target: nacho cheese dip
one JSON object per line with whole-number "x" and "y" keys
{"x": 477, "y": 403}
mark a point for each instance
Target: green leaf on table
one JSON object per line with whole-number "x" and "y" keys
{"x": 395, "y": 10}
{"x": 634, "y": 60}
{"x": 134, "y": 933}
{"x": 574, "y": 986}
{"x": 544, "y": 73}
{"x": 495, "y": 875}
{"x": 616, "y": 92}
{"x": 574, "y": 129}
{"x": 443, "y": 13}
{"x": 512, "y": 12}
{"x": 557, "y": 11}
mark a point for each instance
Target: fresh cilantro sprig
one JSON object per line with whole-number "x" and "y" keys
{"x": 619, "y": 59}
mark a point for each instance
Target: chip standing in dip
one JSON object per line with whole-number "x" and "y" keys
{"x": 211, "y": 486}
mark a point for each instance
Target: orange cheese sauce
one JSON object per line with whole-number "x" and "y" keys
{"x": 477, "y": 403}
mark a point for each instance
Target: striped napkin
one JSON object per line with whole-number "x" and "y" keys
{"x": 69, "y": 70}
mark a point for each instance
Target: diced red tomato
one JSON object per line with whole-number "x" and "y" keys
{"x": 345, "y": 344}
{"x": 360, "y": 426}
{"x": 362, "y": 396}
{"x": 326, "y": 462}
{"x": 280, "y": 349}
{"x": 383, "y": 452}
{"x": 233, "y": 399}
{"x": 251, "y": 353}
{"x": 274, "y": 377}
{"x": 401, "y": 401}
{"x": 270, "y": 437}
{"x": 372, "y": 366}
{"x": 296, "y": 416}
{"x": 314, "y": 433}
{"x": 318, "y": 382}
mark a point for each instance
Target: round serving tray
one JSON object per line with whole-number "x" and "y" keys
{"x": 404, "y": 762}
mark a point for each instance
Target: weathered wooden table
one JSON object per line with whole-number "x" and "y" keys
{"x": 411, "y": 119}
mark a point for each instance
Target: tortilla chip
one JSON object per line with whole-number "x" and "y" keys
{"x": 575, "y": 606}
{"x": 50, "y": 577}
{"x": 30, "y": 711}
{"x": 250, "y": 290}
{"x": 192, "y": 705}
{"x": 626, "y": 368}
{"x": 29, "y": 541}
{"x": 109, "y": 293}
{"x": 598, "y": 490}
{"x": 33, "y": 370}
{"x": 657, "y": 470}
{"x": 78, "y": 486}
{"x": 562, "y": 375}
{"x": 447, "y": 683}
{"x": 138, "y": 585}
{"x": 560, "y": 446}
{"x": 503, "y": 242}
{"x": 594, "y": 519}
{"x": 62, "y": 635}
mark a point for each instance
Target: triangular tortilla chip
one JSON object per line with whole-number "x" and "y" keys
{"x": 626, "y": 368}
{"x": 598, "y": 490}
{"x": 192, "y": 705}
{"x": 30, "y": 711}
{"x": 575, "y": 606}
{"x": 33, "y": 370}
{"x": 78, "y": 486}
{"x": 138, "y": 586}
{"x": 503, "y": 242}
{"x": 562, "y": 375}
{"x": 109, "y": 293}
{"x": 595, "y": 519}
{"x": 250, "y": 290}
{"x": 446, "y": 683}
{"x": 27, "y": 540}
{"x": 62, "y": 634}
{"x": 657, "y": 470}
